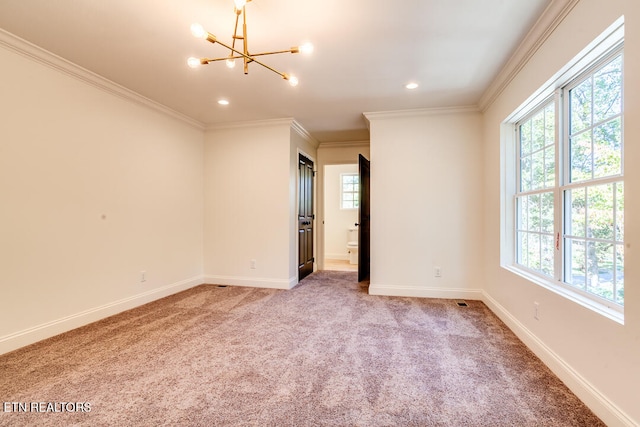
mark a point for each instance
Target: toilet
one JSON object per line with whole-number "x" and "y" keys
{"x": 352, "y": 245}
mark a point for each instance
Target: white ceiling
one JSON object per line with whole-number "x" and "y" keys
{"x": 365, "y": 52}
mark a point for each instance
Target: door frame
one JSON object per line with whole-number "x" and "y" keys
{"x": 347, "y": 155}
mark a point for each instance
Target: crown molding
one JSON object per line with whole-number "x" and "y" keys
{"x": 287, "y": 121}
{"x": 422, "y": 112}
{"x": 37, "y": 54}
{"x": 345, "y": 144}
{"x": 304, "y": 134}
{"x": 550, "y": 19}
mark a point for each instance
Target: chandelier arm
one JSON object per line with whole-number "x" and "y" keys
{"x": 247, "y": 58}
{"x": 275, "y": 52}
{"x": 235, "y": 32}
{"x": 244, "y": 39}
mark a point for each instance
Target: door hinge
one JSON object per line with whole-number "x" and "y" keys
{"x": 313, "y": 217}
{"x": 314, "y": 173}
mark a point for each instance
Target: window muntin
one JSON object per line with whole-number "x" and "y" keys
{"x": 349, "y": 188}
{"x": 582, "y": 196}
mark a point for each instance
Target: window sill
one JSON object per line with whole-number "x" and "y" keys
{"x": 595, "y": 306}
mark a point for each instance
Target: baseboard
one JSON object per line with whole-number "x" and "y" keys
{"x": 422, "y": 292}
{"x": 47, "y": 330}
{"x": 252, "y": 282}
{"x": 591, "y": 396}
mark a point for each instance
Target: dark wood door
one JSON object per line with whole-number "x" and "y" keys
{"x": 364, "y": 241}
{"x": 305, "y": 217}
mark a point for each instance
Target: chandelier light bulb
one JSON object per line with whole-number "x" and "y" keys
{"x": 306, "y": 48}
{"x": 193, "y": 62}
{"x": 198, "y": 31}
{"x": 240, "y": 4}
{"x": 293, "y": 80}
{"x": 230, "y": 63}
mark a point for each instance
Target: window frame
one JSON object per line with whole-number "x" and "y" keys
{"x": 556, "y": 92}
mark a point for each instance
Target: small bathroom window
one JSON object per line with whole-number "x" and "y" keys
{"x": 350, "y": 186}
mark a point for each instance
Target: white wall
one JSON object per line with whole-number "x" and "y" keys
{"x": 247, "y": 204}
{"x": 426, "y": 203}
{"x": 95, "y": 188}
{"x": 337, "y": 221}
{"x": 250, "y": 203}
{"x": 597, "y": 357}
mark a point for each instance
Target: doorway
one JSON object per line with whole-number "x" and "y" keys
{"x": 340, "y": 215}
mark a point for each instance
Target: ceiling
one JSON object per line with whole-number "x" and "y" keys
{"x": 365, "y": 53}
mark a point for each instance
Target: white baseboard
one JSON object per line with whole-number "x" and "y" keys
{"x": 47, "y": 330}
{"x": 252, "y": 282}
{"x": 591, "y": 396}
{"x": 422, "y": 292}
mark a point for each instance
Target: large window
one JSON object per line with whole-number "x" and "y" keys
{"x": 568, "y": 225}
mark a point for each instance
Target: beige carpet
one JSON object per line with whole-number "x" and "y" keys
{"x": 324, "y": 353}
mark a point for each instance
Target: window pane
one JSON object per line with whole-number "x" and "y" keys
{"x": 534, "y": 251}
{"x": 577, "y": 271}
{"x": 538, "y": 175}
{"x": 619, "y": 211}
{"x": 523, "y": 213}
{"x": 347, "y": 179}
{"x": 347, "y": 187}
{"x": 547, "y": 255}
{"x": 525, "y": 138}
{"x": 347, "y": 205}
{"x": 578, "y": 212}
{"x": 356, "y": 204}
{"x": 549, "y": 167}
{"x": 550, "y": 124}
{"x": 546, "y": 211}
{"x": 525, "y": 174}
{"x": 581, "y": 157}
{"x": 534, "y": 212}
{"x": 580, "y": 106}
{"x": 607, "y": 91}
{"x": 600, "y": 262}
{"x": 538, "y": 131}
{"x": 347, "y": 197}
{"x": 620, "y": 274}
{"x": 607, "y": 148}
{"x": 522, "y": 248}
{"x": 600, "y": 212}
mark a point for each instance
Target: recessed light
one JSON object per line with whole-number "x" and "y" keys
{"x": 223, "y": 102}
{"x": 411, "y": 85}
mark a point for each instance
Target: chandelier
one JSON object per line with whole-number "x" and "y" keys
{"x": 198, "y": 31}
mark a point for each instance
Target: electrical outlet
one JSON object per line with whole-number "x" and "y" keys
{"x": 437, "y": 272}
{"x": 143, "y": 276}
{"x": 253, "y": 264}
{"x": 536, "y": 311}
